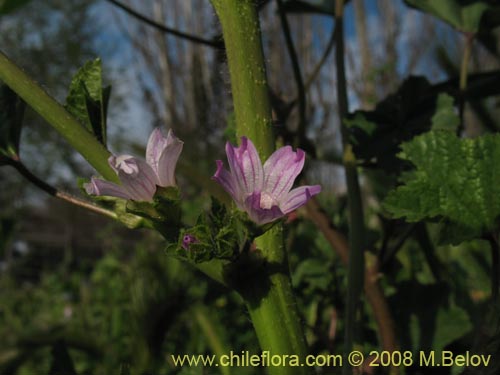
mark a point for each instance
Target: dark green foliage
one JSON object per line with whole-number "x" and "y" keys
{"x": 464, "y": 15}
{"x": 428, "y": 317}
{"x": 7, "y": 6}
{"x": 376, "y": 135}
{"x": 62, "y": 363}
{"x": 88, "y": 99}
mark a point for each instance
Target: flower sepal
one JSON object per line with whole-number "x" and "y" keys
{"x": 163, "y": 214}
{"x": 220, "y": 234}
{"x": 117, "y": 205}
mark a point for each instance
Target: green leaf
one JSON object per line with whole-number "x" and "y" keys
{"x": 11, "y": 120}
{"x": 88, "y": 99}
{"x": 7, "y": 6}
{"x": 455, "y": 179}
{"x": 461, "y": 14}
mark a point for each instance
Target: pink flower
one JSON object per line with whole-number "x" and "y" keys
{"x": 139, "y": 178}
{"x": 264, "y": 191}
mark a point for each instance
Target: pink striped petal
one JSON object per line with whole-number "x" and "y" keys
{"x": 156, "y": 144}
{"x": 168, "y": 160}
{"x": 136, "y": 176}
{"x": 258, "y": 214}
{"x": 298, "y": 197}
{"x": 223, "y": 177}
{"x": 245, "y": 166}
{"x": 281, "y": 170}
{"x": 101, "y": 187}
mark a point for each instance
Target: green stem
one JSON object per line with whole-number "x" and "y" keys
{"x": 55, "y": 114}
{"x": 267, "y": 292}
{"x": 356, "y": 265}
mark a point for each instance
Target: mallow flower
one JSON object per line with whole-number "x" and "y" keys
{"x": 264, "y": 191}
{"x": 140, "y": 178}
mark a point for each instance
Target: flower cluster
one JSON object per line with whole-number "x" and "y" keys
{"x": 263, "y": 191}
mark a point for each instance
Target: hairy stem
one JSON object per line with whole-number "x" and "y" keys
{"x": 55, "y": 114}
{"x": 267, "y": 291}
{"x": 356, "y": 264}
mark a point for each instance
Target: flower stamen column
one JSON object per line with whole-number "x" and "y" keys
{"x": 268, "y": 292}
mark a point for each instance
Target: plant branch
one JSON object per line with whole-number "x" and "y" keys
{"x": 301, "y": 93}
{"x": 55, "y": 114}
{"x": 42, "y": 185}
{"x": 180, "y": 34}
{"x": 356, "y": 265}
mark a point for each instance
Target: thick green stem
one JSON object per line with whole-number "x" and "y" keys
{"x": 267, "y": 292}
{"x": 356, "y": 266}
{"x": 55, "y": 114}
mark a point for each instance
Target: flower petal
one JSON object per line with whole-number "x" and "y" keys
{"x": 101, "y": 187}
{"x": 246, "y": 167}
{"x": 298, "y": 197}
{"x": 156, "y": 144}
{"x": 168, "y": 160}
{"x": 261, "y": 215}
{"x": 223, "y": 177}
{"x": 137, "y": 177}
{"x": 281, "y": 170}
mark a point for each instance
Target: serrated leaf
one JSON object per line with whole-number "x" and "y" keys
{"x": 462, "y": 15}
{"x": 7, "y": 6}
{"x": 11, "y": 120}
{"x": 88, "y": 99}
{"x": 455, "y": 179}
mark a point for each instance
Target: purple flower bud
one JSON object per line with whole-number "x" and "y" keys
{"x": 139, "y": 178}
{"x": 187, "y": 240}
{"x": 264, "y": 191}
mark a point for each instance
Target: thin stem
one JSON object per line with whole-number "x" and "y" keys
{"x": 42, "y": 185}
{"x": 469, "y": 39}
{"x": 55, "y": 114}
{"x": 166, "y": 29}
{"x": 301, "y": 93}
{"x": 356, "y": 266}
{"x": 322, "y": 60}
